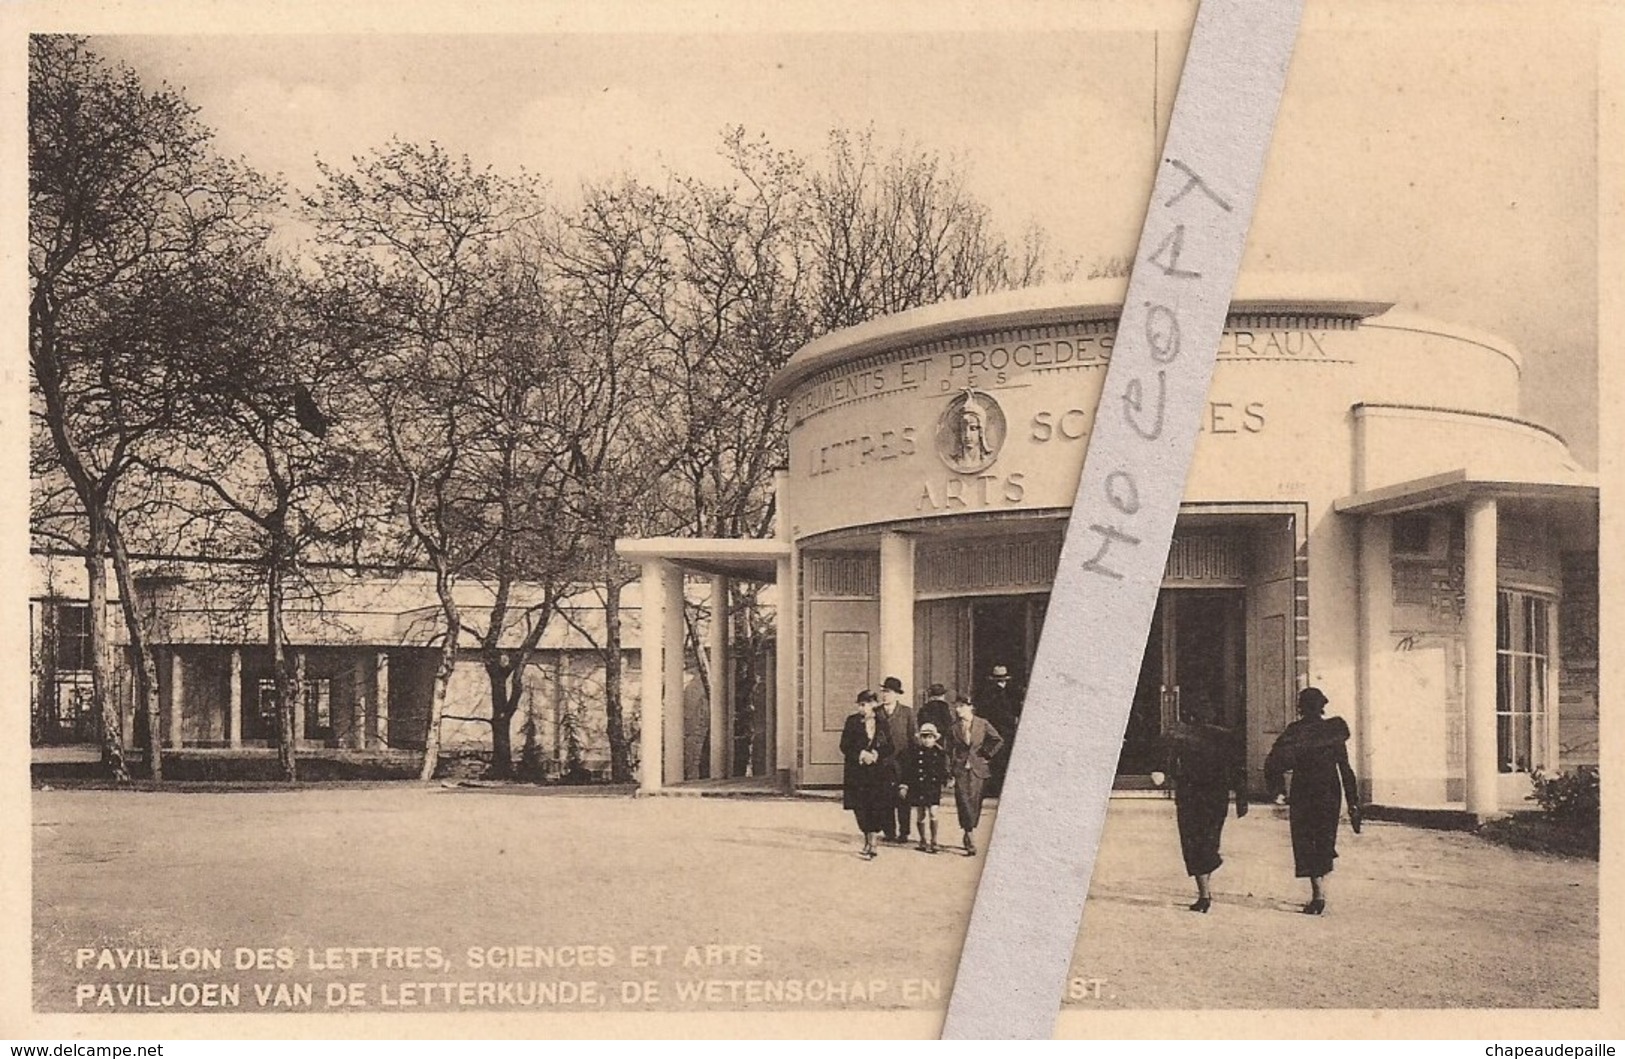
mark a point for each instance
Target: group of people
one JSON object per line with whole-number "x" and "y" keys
{"x": 1206, "y": 764}
{"x": 898, "y": 761}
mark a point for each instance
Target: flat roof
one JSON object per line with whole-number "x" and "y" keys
{"x": 751, "y": 559}
{"x": 1463, "y": 483}
{"x": 1101, "y": 299}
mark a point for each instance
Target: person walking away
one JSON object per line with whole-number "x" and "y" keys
{"x": 866, "y": 780}
{"x": 924, "y": 772}
{"x": 898, "y": 717}
{"x": 1206, "y": 763}
{"x": 973, "y": 744}
{"x": 1314, "y": 749}
{"x": 936, "y": 711}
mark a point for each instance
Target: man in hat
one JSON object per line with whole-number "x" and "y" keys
{"x": 936, "y": 710}
{"x": 898, "y": 717}
{"x": 1000, "y": 705}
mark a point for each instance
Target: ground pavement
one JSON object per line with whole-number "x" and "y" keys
{"x": 743, "y": 891}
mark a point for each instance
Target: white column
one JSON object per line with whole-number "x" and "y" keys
{"x": 652, "y": 632}
{"x": 718, "y": 651}
{"x": 359, "y": 686}
{"x": 787, "y": 653}
{"x": 380, "y": 699}
{"x": 234, "y": 700}
{"x": 1479, "y": 626}
{"x": 1376, "y": 588}
{"x": 177, "y": 697}
{"x": 787, "y": 650}
{"x": 897, "y": 608}
{"x": 298, "y": 697}
{"x": 672, "y": 656}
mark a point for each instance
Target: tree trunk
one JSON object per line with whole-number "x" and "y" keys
{"x": 620, "y": 757}
{"x": 504, "y": 704}
{"x": 101, "y": 673}
{"x": 287, "y": 695}
{"x": 442, "y": 677}
{"x": 146, "y": 662}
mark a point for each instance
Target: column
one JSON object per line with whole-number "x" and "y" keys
{"x": 652, "y": 636}
{"x": 298, "y": 697}
{"x": 358, "y": 699}
{"x": 781, "y": 757}
{"x": 177, "y": 697}
{"x": 380, "y": 699}
{"x": 234, "y": 700}
{"x": 1376, "y": 593}
{"x": 676, "y": 630}
{"x": 787, "y": 651}
{"x": 717, "y": 648}
{"x": 897, "y": 609}
{"x": 1479, "y": 625}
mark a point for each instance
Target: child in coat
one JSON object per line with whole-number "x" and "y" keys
{"x": 923, "y": 771}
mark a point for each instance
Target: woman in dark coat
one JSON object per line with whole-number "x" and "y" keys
{"x": 1207, "y": 763}
{"x": 867, "y": 784}
{"x": 1314, "y": 748}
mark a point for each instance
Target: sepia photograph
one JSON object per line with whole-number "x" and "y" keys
{"x": 557, "y": 518}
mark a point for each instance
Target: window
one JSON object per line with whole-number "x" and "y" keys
{"x": 1420, "y": 537}
{"x": 1522, "y": 680}
{"x": 317, "y": 704}
{"x": 70, "y": 632}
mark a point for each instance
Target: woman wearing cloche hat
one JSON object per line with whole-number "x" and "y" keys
{"x": 1314, "y": 748}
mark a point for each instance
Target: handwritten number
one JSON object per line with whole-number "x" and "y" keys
{"x": 1134, "y": 401}
{"x": 1194, "y": 182}
{"x": 1171, "y": 248}
{"x": 1164, "y": 341}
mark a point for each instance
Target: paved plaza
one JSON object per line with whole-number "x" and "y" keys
{"x": 504, "y": 885}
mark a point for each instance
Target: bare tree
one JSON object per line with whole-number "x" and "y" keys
{"x": 484, "y": 402}
{"x": 255, "y": 467}
{"x": 131, "y": 218}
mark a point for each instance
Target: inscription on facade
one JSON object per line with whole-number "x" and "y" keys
{"x": 990, "y": 363}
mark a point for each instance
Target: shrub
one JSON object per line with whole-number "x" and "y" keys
{"x": 1572, "y": 798}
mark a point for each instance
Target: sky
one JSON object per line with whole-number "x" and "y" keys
{"x": 1445, "y": 162}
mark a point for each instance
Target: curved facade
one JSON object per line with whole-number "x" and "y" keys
{"x": 1366, "y": 511}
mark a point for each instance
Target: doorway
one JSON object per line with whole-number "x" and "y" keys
{"x": 1196, "y": 653}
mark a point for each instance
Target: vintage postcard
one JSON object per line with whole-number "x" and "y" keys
{"x": 538, "y": 523}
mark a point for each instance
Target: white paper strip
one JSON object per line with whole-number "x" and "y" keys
{"x": 1024, "y": 927}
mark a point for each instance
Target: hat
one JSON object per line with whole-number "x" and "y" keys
{"x": 1000, "y": 671}
{"x": 962, "y": 698}
{"x": 928, "y": 729}
{"x": 1312, "y": 700}
{"x": 892, "y": 684}
{"x": 866, "y": 696}
{"x": 937, "y": 691}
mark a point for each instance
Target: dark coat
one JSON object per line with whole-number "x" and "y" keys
{"x": 1207, "y": 763}
{"x": 924, "y": 771}
{"x": 900, "y": 726}
{"x": 937, "y": 712}
{"x": 1001, "y": 706}
{"x": 1315, "y": 751}
{"x": 867, "y": 786}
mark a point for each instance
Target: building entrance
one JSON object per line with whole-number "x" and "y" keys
{"x": 1196, "y": 652}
